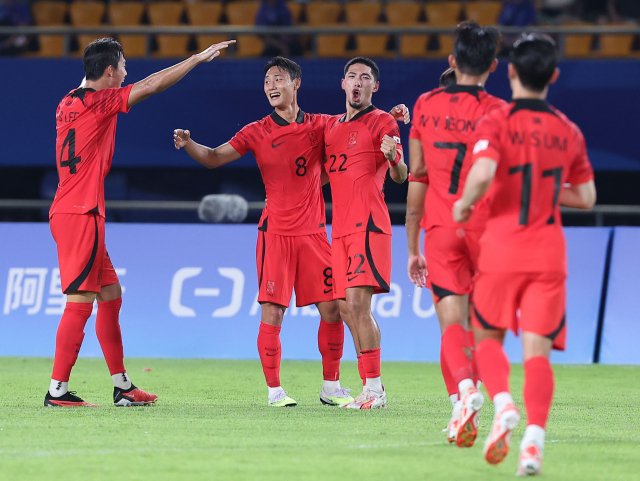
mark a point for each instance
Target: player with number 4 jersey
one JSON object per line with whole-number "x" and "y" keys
{"x": 293, "y": 251}
{"x": 530, "y": 159}
{"x": 86, "y": 127}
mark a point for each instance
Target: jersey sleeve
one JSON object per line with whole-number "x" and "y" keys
{"x": 109, "y": 102}
{"x": 581, "y": 170}
{"x": 423, "y": 180}
{"x": 244, "y": 140}
{"x": 486, "y": 142}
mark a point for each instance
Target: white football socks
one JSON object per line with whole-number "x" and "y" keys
{"x": 330, "y": 386}
{"x": 533, "y": 433}
{"x": 58, "y": 388}
{"x": 464, "y": 386}
{"x": 454, "y": 399}
{"x": 374, "y": 383}
{"x": 121, "y": 381}
{"x": 501, "y": 399}
{"x": 273, "y": 391}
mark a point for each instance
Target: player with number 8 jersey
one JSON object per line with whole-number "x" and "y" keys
{"x": 293, "y": 251}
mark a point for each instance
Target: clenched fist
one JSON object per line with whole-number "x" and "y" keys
{"x": 388, "y": 148}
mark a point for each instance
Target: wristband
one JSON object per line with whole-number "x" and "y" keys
{"x": 396, "y": 161}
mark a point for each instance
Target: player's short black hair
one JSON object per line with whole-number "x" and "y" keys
{"x": 364, "y": 61}
{"x": 475, "y": 47}
{"x": 289, "y": 66}
{"x": 99, "y": 54}
{"x": 535, "y": 57}
{"x": 448, "y": 77}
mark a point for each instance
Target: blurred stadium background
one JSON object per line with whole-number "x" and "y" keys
{"x": 41, "y": 44}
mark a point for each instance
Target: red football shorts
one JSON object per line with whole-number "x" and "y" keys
{"x": 288, "y": 262}
{"x": 361, "y": 259}
{"x": 82, "y": 254}
{"x": 530, "y": 301}
{"x": 452, "y": 260}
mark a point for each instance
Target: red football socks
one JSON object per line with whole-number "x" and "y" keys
{"x": 69, "y": 338}
{"x": 109, "y": 336}
{"x": 471, "y": 338}
{"x": 330, "y": 344}
{"x": 270, "y": 353}
{"x": 371, "y": 363}
{"x": 538, "y": 390}
{"x": 452, "y": 387}
{"x": 361, "y": 370}
{"x": 457, "y": 352}
{"x": 493, "y": 366}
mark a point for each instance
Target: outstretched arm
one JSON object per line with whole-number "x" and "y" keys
{"x": 210, "y": 158}
{"x": 164, "y": 79}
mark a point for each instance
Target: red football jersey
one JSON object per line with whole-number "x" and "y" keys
{"x": 86, "y": 133}
{"x": 357, "y": 169}
{"x": 538, "y": 150}
{"x": 290, "y": 159}
{"x": 445, "y": 120}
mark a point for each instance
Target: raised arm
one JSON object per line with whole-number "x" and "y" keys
{"x": 417, "y": 265}
{"x": 164, "y": 79}
{"x": 579, "y": 196}
{"x": 210, "y": 158}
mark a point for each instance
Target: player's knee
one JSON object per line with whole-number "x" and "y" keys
{"x": 272, "y": 314}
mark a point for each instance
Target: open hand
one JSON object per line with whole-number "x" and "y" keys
{"x": 401, "y": 113}
{"x": 181, "y": 138}
{"x": 417, "y": 269}
{"x": 212, "y": 52}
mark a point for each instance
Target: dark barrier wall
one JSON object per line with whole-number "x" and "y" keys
{"x": 217, "y": 99}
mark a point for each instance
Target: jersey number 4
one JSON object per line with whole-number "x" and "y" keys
{"x": 72, "y": 160}
{"x": 457, "y": 164}
{"x": 525, "y": 196}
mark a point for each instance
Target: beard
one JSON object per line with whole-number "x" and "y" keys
{"x": 355, "y": 105}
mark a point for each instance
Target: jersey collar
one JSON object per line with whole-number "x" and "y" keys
{"x": 370, "y": 108}
{"x": 469, "y": 89}
{"x": 282, "y": 122}
{"x": 535, "y": 105}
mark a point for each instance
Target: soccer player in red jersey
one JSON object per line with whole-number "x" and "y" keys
{"x": 293, "y": 250}
{"x": 86, "y": 127}
{"x": 529, "y": 158}
{"x": 361, "y": 146}
{"x": 444, "y": 121}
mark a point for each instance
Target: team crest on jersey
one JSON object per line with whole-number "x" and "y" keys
{"x": 270, "y": 287}
{"x": 353, "y": 138}
{"x": 313, "y": 137}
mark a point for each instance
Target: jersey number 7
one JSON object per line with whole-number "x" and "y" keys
{"x": 72, "y": 160}
{"x": 457, "y": 164}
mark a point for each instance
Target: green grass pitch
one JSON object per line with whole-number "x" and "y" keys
{"x": 212, "y": 423}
